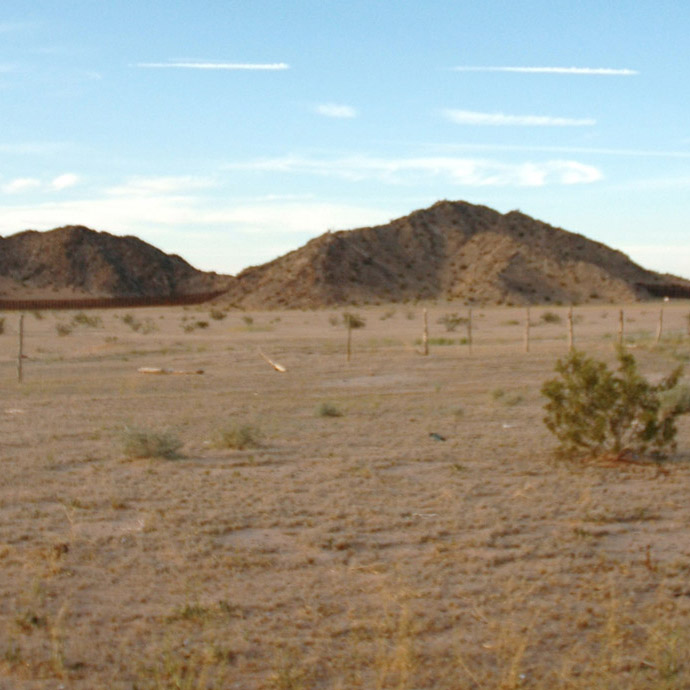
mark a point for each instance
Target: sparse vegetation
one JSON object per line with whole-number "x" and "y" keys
{"x": 2, "y": 325}
{"x": 327, "y": 409}
{"x": 217, "y": 314}
{"x": 248, "y": 320}
{"x": 83, "y": 319}
{"x": 595, "y": 412}
{"x": 63, "y": 329}
{"x": 452, "y": 321}
{"x": 353, "y": 321}
{"x": 146, "y": 326}
{"x": 139, "y": 443}
{"x": 550, "y": 317}
{"x": 237, "y": 436}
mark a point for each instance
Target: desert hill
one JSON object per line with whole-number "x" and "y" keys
{"x": 74, "y": 261}
{"x": 453, "y": 250}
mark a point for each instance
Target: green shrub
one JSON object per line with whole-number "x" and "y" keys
{"x": 138, "y": 443}
{"x": 326, "y": 409}
{"x": 452, "y": 321}
{"x": 82, "y": 319}
{"x": 237, "y": 436}
{"x": 352, "y": 320}
{"x": 595, "y": 412}
{"x": 550, "y": 317}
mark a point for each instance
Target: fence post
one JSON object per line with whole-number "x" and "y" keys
{"x": 621, "y": 327}
{"x": 571, "y": 335}
{"x": 527, "y": 326}
{"x": 20, "y": 353}
{"x": 425, "y": 333}
{"x": 660, "y": 327}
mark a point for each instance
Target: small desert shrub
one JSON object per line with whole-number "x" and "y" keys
{"x": 352, "y": 320}
{"x": 217, "y": 314}
{"x": 248, "y": 320}
{"x": 63, "y": 329}
{"x": 189, "y": 327}
{"x": 550, "y": 317}
{"x": 327, "y": 409}
{"x": 138, "y": 443}
{"x": 334, "y": 320}
{"x": 237, "y": 436}
{"x": 82, "y": 319}
{"x": 452, "y": 321}
{"x": 594, "y": 411}
{"x": 145, "y": 327}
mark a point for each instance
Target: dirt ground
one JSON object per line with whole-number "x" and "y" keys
{"x": 396, "y": 521}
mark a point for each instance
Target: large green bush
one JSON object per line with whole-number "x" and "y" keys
{"x": 594, "y": 411}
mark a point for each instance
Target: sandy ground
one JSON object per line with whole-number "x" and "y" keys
{"x": 348, "y": 551}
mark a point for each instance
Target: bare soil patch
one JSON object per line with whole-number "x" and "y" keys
{"x": 350, "y": 551}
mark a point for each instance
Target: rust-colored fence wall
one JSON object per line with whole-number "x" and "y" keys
{"x": 106, "y": 302}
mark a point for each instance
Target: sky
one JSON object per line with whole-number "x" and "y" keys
{"x": 233, "y": 131}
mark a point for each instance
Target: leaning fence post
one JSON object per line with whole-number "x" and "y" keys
{"x": 660, "y": 327}
{"x": 527, "y": 325}
{"x": 621, "y": 327}
{"x": 571, "y": 336}
{"x": 20, "y": 353}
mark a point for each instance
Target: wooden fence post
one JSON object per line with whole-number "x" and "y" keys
{"x": 20, "y": 353}
{"x": 621, "y": 327}
{"x": 660, "y": 327}
{"x": 425, "y": 334}
{"x": 527, "y": 326}
{"x": 571, "y": 335}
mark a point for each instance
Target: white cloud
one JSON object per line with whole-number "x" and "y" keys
{"x": 470, "y": 117}
{"x": 215, "y": 65}
{"x": 642, "y": 153}
{"x": 224, "y": 237}
{"x": 144, "y": 186}
{"x": 335, "y": 110}
{"x": 461, "y": 171}
{"x": 64, "y": 181}
{"x": 21, "y": 184}
{"x": 606, "y": 71}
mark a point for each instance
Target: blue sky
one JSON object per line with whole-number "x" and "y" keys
{"x": 231, "y": 132}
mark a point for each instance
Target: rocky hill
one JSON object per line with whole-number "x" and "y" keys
{"x": 452, "y": 250}
{"x": 74, "y": 261}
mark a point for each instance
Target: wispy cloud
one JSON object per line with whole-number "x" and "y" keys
{"x": 604, "y": 71}
{"x": 271, "y": 66}
{"x": 471, "y": 117}
{"x": 335, "y": 110}
{"x": 64, "y": 181}
{"x": 643, "y": 153}
{"x": 21, "y": 184}
{"x": 25, "y": 184}
{"x": 461, "y": 171}
{"x": 168, "y": 184}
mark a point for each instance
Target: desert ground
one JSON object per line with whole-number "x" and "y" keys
{"x": 395, "y": 521}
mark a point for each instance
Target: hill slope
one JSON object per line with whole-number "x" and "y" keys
{"x": 451, "y": 250}
{"x": 76, "y": 261}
